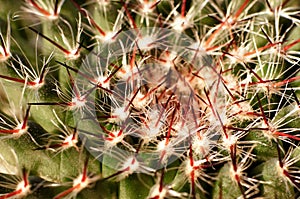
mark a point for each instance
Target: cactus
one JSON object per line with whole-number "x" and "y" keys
{"x": 149, "y": 99}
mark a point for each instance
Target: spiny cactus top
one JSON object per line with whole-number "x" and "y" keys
{"x": 151, "y": 99}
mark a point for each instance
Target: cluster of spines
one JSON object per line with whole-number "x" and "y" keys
{"x": 200, "y": 105}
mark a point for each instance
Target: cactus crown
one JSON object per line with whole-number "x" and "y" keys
{"x": 149, "y": 99}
